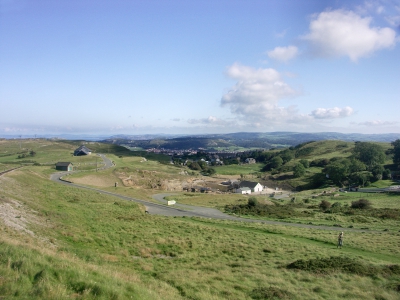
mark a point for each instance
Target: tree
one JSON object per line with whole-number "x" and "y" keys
{"x": 305, "y": 163}
{"x": 387, "y": 174}
{"x": 396, "y": 151}
{"x": 194, "y": 166}
{"x": 377, "y": 172}
{"x": 361, "y": 178}
{"x": 276, "y": 162}
{"x": 286, "y": 155}
{"x": 369, "y": 153}
{"x": 357, "y": 165}
{"x": 338, "y": 171}
{"x": 202, "y": 164}
{"x": 209, "y": 172}
{"x": 299, "y": 170}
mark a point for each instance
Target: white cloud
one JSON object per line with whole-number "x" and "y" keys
{"x": 344, "y": 33}
{"x": 393, "y": 20}
{"x": 256, "y": 93}
{"x": 332, "y": 113}
{"x": 377, "y": 123}
{"x": 283, "y": 54}
{"x": 211, "y": 120}
{"x": 281, "y": 34}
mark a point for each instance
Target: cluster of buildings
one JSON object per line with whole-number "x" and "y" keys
{"x": 68, "y": 166}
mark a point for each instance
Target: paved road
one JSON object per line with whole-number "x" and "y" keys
{"x": 183, "y": 210}
{"x": 393, "y": 188}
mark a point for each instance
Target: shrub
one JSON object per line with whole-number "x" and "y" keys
{"x": 252, "y": 202}
{"x": 299, "y": 170}
{"x": 271, "y": 292}
{"x": 320, "y": 162}
{"x": 324, "y": 205}
{"x": 361, "y": 204}
{"x": 305, "y": 163}
{"x": 343, "y": 264}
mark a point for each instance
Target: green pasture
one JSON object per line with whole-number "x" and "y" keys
{"x": 98, "y": 247}
{"x": 48, "y": 152}
{"x": 88, "y": 245}
{"x": 208, "y": 200}
{"x": 307, "y": 202}
{"x": 244, "y": 169}
{"x": 329, "y": 149}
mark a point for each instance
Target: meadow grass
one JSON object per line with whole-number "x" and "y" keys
{"x": 189, "y": 258}
{"x": 244, "y": 169}
{"x": 88, "y": 245}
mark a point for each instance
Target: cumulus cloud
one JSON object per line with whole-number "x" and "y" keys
{"x": 344, "y": 33}
{"x": 256, "y": 93}
{"x": 283, "y": 54}
{"x": 332, "y": 113}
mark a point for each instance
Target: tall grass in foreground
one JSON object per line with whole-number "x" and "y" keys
{"x": 29, "y": 274}
{"x": 90, "y": 245}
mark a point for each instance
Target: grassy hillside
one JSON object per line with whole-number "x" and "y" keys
{"x": 59, "y": 242}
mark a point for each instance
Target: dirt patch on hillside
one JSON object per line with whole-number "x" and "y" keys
{"x": 93, "y": 180}
{"x": 154, "y": 180}
{"x": 14, "y": 215}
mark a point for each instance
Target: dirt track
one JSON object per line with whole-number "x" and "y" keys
{"x": 183, "y": 210}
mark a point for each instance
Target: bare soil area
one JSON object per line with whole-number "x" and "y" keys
{"x": 14, "y": 215}
{"x": 94, "y": 180}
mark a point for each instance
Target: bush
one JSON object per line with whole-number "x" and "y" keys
{"x": 324, "y": 205}
{"x": 252, "y": 202}
{"x": 361, "y": 204}
{"x": 332, "y": 264}
{"x": 305, "y": 163}
{"x": 320, "y": 162}
{"x": 271, "y": 292}
{"x": 299, "y": 170}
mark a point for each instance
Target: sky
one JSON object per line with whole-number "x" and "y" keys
{"x": 199, "y": 66}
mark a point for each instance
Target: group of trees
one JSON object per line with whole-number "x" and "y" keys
{"x": 27, "y": 154}
{"x": 364, "y": 166}
{"x": 361, "y": 168}
{"x": 277, "y": 161}
{"x": 202, "y": 167}
{"x": 396, "y": 152}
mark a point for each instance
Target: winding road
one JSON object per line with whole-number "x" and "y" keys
{"x": 183, "y": 210}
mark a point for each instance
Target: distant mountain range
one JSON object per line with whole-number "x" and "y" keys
{"x": 265, "y": 140}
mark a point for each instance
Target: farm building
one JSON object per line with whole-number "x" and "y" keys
{"x": 244, "y": 191}
{"x": 64, "y": 166}
{"x": 253, "y": 186}
{"x": 82, "y": 150}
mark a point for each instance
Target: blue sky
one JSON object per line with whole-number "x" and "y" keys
{"x": 199, "y": 66}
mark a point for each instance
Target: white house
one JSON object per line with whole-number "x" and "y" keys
{"x": 253, "y": 186}
{"x": 243, "y": 191}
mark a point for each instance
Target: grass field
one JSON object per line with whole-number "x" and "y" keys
{"x": 244, "y": 169}
{"x": 80, "y": 244}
